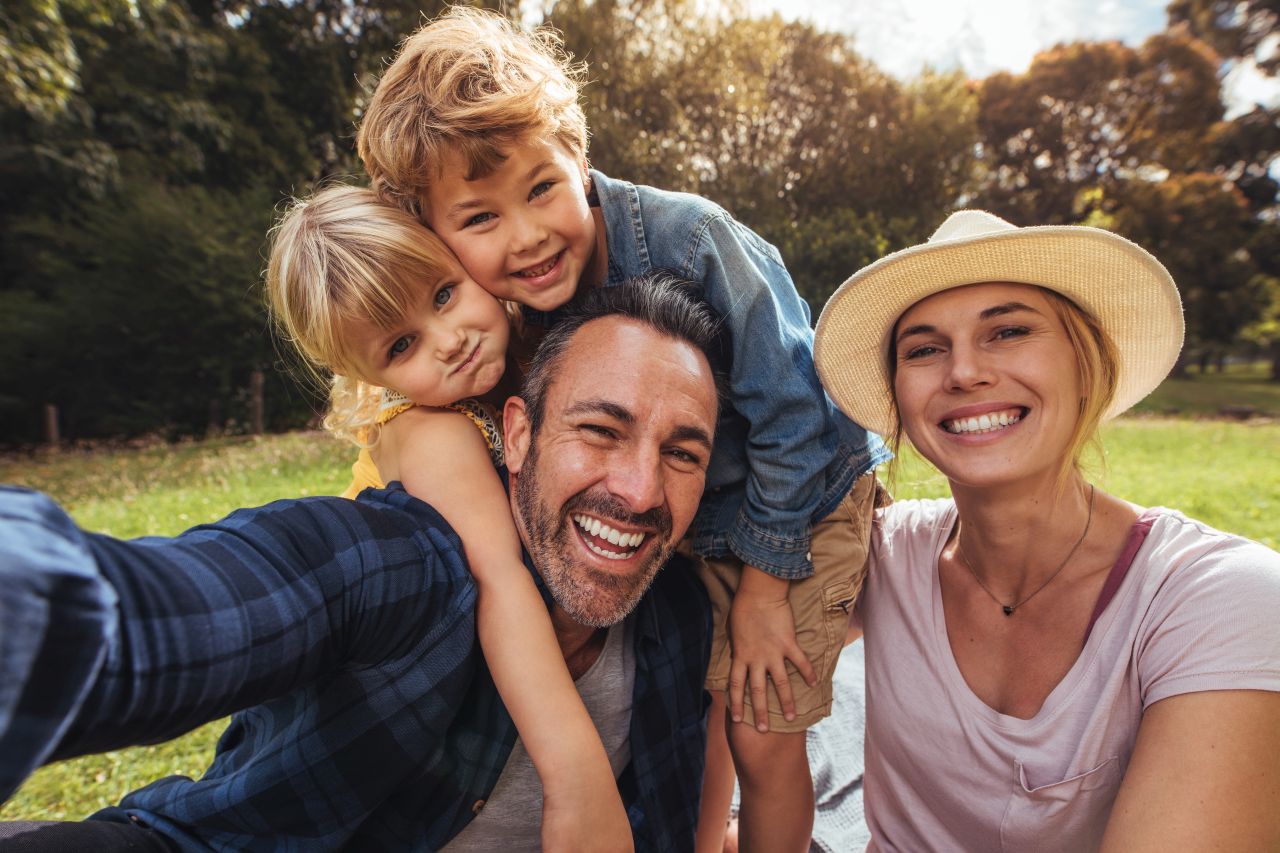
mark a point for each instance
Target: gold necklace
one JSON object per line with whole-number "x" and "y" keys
{"x": 1009, "y": 608}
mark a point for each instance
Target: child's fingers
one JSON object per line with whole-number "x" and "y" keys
{"x": 781, "y": 683}
{"x": 760, "y": 697}
{"x": 737, "y": 689}
{"x": 801, "y": 662}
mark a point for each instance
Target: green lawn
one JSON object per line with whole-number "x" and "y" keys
{"x": 1242, "y": 385}
{"x": 1222, "y": 472}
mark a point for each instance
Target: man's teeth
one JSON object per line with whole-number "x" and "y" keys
{"x": 534, "y": 272}
{"x": 984, "y": 423}
{"x": 597, "y": 528}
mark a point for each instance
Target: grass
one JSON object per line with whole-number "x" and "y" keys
{"x": 1222, "y": 472}
{"x": 1241, "y": 385}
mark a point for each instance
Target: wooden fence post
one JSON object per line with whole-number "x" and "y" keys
{"x": 257, "y": 382}
{"x": 51, "y": 435}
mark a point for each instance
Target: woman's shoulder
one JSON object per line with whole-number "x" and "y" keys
{"x": 909, "y": 517}
{"x": 1186, "y": 557}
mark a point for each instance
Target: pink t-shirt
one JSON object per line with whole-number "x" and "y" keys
{"x": 1197, "y": 610}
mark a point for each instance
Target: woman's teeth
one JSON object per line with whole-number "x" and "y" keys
{"x": 597, "y": 529}
{"x": 983, "y": 423}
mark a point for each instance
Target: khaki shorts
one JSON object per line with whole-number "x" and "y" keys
{"x": 820, "y": 604}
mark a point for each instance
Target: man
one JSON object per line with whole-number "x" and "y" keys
{"x": 346, "y": 628}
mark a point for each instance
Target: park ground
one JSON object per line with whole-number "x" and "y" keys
{"x": 1177, "y": 449}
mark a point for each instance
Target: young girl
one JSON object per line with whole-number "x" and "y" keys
{"x": 416, "y": 349}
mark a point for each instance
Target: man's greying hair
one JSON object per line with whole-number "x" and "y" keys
{"x": 670, "y": 305}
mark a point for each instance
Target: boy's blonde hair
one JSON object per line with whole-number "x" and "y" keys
{"x": 339, "y": 256}
{"x": 474, "y": 83}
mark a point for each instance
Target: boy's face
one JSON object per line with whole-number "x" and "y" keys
{"x": 524, "y": 232}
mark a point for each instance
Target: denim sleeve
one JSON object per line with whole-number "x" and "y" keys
{"x": 774, "y": 386}
{"x": 126, "y": 642}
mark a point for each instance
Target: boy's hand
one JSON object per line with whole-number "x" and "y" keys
{"x": 762, "y": 632}
{"x": 585, "y": 817}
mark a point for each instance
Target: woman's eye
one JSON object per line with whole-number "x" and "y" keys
{"x": 444, "y": 294}
{"x": 478, "y": 219}
{"x": 1011, "y": 332}
{"x": 401, "y": 344}
{"x": 540, "y": 188}
{"x": 919, "y": 352}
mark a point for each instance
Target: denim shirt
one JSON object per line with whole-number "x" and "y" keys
{"x": 784, "y": 455}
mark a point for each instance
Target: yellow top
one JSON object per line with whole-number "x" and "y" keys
{"x": 364, "y": 473}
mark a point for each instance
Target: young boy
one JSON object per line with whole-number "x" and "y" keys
{"x": 476, "y": 128}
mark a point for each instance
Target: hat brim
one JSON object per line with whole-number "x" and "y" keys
{"x": 1130, "y": 293}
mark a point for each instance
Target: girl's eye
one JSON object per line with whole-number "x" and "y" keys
{"x": 401, "y": 344}
{"x": 444, "y": 295}
{"x": 478, "y": 219}
{"x": 540, "y": 188}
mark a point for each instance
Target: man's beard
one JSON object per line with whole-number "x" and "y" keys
{"x": 589, "y": 596}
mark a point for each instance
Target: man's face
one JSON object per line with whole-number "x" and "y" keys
{"x": 611, "y": 481}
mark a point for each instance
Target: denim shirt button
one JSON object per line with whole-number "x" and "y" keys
{"x": 808, "y": 555}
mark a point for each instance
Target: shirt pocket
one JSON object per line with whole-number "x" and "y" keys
{"x": 1070, "y": 815}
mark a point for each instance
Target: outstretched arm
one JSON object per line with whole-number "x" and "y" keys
{"x": 106, "y": 643}
{"x": 1204, "y": 775}
{"x": 441, "y": 457}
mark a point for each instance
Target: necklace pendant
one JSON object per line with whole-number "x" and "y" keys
{"x": 1008, "y": 611}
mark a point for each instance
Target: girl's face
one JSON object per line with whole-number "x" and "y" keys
{"x": 987, "y": 384}
{"x": 451, "y": 344}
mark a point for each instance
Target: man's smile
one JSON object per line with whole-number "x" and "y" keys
{"x": 605, "y": 540}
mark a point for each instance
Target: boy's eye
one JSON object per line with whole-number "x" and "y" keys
{"x": 444, "y": 294}
{"x": 401, "y": 344}
{"x": 541, "y": 188}
{"x": 478, "y": 219}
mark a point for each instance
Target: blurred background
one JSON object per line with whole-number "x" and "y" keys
{"x": 146, "y": 144}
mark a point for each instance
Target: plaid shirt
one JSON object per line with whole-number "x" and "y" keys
{"x": 345, "y": 630}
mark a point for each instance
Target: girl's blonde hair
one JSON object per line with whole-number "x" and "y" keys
{"x": 1097, "y": 366}
{"x": 339, "y": 256}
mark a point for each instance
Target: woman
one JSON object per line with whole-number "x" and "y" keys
{"x": 1049, "y": 667}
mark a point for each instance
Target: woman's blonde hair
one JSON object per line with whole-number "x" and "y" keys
{"x": 341, "y": 256}
{"x": 470, "y": 82}
{"x": 1097, "y": 366}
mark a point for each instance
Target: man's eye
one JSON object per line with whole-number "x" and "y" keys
{"x": 444, "y": 295}
{"x": 401, "y": 344}
{"x": 597, "y": 429}
{"x": 478, "y": 219}
{"x": 684, "y": 456}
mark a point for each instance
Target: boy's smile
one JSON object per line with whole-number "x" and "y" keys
{"x": 524, "y": 231}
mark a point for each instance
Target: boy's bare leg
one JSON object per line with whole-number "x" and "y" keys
{"x": 717, "y": 781}
{"x": 777, "y": 791}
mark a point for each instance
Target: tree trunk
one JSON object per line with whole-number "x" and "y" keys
{"x": 215, "y": 418}
{"x": 1275, "y": 360}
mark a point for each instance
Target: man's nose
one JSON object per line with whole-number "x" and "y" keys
{"x": 638, "y": 479}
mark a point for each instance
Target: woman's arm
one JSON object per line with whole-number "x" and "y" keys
{"x": 441, "y": 458}
{"x": 1204, "y": 775}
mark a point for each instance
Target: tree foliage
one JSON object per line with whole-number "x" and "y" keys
{"x": 144, "y": 144}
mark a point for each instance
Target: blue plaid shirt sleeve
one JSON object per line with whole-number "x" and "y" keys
{"x": 107, "y": 643}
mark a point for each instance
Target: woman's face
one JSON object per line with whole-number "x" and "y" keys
{"x": 987, "y": 383}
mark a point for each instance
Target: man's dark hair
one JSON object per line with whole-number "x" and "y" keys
{"x": 670, "y": 305}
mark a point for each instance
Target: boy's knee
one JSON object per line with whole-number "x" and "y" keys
{"x": 761, "y": 756}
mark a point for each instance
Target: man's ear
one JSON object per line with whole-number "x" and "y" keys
{"x": 517, "y": 433}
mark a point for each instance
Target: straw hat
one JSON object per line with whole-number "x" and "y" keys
{"x": 1130, "y": 293}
